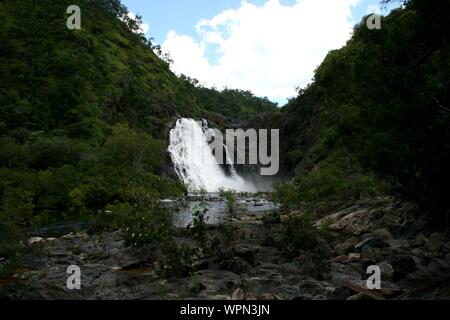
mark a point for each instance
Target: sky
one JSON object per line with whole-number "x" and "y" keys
{"x": 270, "y": 47}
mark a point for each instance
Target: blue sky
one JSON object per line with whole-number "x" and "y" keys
{"x": 173, "y": 24}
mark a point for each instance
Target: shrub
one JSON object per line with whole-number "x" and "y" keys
{"x": 300, "y": 239}
{"x": 230, "y": 198}
{"x": 143, "y": 223}
{"x": 197, "y": 228}
{"x": 177, "y": 260}
{"x": 17, "y": 207}
{"x": 298, "y": 234}
{"x": 337, "y": 177}
{"x": 221, "y": 246}
{"x": 15, "y": 216}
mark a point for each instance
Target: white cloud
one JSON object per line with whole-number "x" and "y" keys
{"x": 269, "y": 50}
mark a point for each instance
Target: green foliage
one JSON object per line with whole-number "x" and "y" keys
{"x": 139, "y": 151}
{"x": 231, "y": 103}
{"x": 230, "y": 198}
{"x": 298, "y": 234}
{"x": 17, "y": 207}
{"x": 300, "y": 239}
{"x": 146, "y": 223}
{"x": 12, "y": 250}
{"x": 80, "y": 110}
{"x": 197, "y": 228}
{"x": 338, "y": 177}
{"x": 84, "y": 113}
{"x": 177, "y": 260}
{"x": 15, "y": 216}
{"x": 221, "y": 245}
{"x": 78, "y": 81}
{"x": 64, "y": 173}
{"x": 383, "y": 99}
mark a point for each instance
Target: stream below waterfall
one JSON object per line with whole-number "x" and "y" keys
{"x": 197, "y": 167}
{"x": 217, "y": 209}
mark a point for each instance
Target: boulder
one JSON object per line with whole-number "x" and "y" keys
{"x": 435, "y": 242}
{"x": 402, "y": 264}
{"x": 238, "y": 294}
{"x": 419, "y": 241}
{"x": 246, "y": 252}
{"x": 239, "y": 266}
{"x": 371, "y": 241}
{"x": 447, "y": 258}
{"x": 438, "y": 268}
{"x": 343, "y": 248}
{"x": 217, "y": 281}
{"x": 398, "y": 244}
{"x": 354, "y": 257}
{"x": 387, "y": 271}
{"x": 341, "y": 293}
{"x": 355, "y": 223}
{"x": 382, "y": 234}
{"x": 341, "y": 274}
{"x": 344, "y": 259}
{"x": 35, "y": 240}
{"x": 369, "y": 254}
{"x": 266, "y": 297}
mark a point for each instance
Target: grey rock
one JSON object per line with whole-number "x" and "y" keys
{"x": 355, "y": 223}
{"x": 341, "y": 293}
{"x": 383, "y": 234}
{"x": 354, "y": 257}
{"x": 438, "y": 267}
{"x": 436, "y": 240}
{"x": 419, "y": 241}
{"x": 372, "y": 241}
{"x": 403, "y": 264}
{"x": 343, "y": 248}
{"x": 370, "y": 254}
{"x": 287, "y": 292}
{"x": 387, "y": 271}
{"x": 238, "y": 294}
{"x": 246, "y": 252}
{"x": 398, "y": 244}
{"x": 447, "y": 258}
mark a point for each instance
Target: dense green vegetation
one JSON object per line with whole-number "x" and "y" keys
{"x": 379, "y": 107}
{"x": 232, "y": 103}
{"x": 84, "y": 114}
{"x": 79, "y": 82}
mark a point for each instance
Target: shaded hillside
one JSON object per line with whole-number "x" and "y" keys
{"x": 383, "y": 101}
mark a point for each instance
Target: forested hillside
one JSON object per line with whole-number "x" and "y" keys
{"x": 233, "y": 104}
{"x": 84, "y": 112}
{"x": 378, "y": 111}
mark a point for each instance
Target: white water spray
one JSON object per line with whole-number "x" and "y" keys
{"x": 195, "y": 163}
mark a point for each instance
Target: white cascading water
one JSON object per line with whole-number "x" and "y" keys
{"x": 195, "y": 163}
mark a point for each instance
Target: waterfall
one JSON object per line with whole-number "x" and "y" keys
{"x": 195, "y": 163}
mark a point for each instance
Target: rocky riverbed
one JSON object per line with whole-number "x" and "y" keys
{"x": 415, "y": 263}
